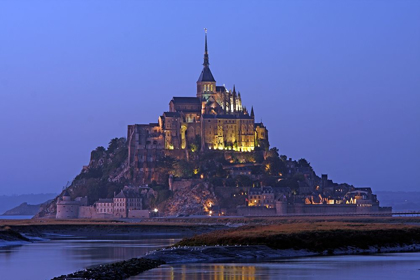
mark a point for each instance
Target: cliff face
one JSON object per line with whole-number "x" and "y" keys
{"x": 106, "y": 173}
{"x": 197, "y": 199}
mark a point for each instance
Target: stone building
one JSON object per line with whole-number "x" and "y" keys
{"x": 105, "y": 206}
{"x": 125, "y": 201}
{"x": 263, "y": 196}
{"x": 215, "y": 119}
{"x": 68, "y": 208}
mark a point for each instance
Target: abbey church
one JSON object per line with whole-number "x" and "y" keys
{"x": 215, "y": 119}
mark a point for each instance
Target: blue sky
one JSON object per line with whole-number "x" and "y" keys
{"x": 336, "y": 82}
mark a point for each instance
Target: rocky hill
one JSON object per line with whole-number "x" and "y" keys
{"x": 213, "y": 176}
{"x": 24, "y": 209}
{"x": 106, "y": 173}
{"x": 8, "y": 202}
{"x": 189, "y": 201}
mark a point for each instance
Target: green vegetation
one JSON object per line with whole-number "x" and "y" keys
{"x": 195, "y": 146}
{"x": 94, "y": 182}
{"x": 268, "y": 168}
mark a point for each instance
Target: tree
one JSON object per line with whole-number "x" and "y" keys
{"x": 273, "y": 166}
{"x": 195, "y": 146}
{"x": 97, "y": 153}
{"x": 113, "y": 145}
{"x": 243, "y": 181}
{"x": 273, "y": 152}
{"x": 183, "y": 168}
{"x": 303, "y": 163}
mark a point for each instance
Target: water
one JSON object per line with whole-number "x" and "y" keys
{"x": 45, "y": 260}
{"x": 15, "y": 217}
{"x": 384, "y": 266}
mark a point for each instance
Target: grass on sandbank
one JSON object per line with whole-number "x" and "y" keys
{"x": 317, "y": 237}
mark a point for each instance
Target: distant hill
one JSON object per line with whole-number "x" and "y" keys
{"x": 400, "y": 201}
{"x": 8, "y": 202}
{"x": 24, "y": 209}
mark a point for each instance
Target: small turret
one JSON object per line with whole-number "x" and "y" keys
{"x": 234, "y": 99}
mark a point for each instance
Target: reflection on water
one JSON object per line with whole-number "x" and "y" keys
{"x": 44, "y": 260}
{"x": 384, "y": 266}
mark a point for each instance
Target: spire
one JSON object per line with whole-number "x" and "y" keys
{"x": 206, "y": 53}
{"x": 252, "y": 111}
{"x": 206, "y": 75}
{"x": 234, "y": 90}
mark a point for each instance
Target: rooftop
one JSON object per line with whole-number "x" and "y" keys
{"x": 189, "y": 100}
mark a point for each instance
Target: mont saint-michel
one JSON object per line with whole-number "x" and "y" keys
{"x": 208, "y": 156}
{"x": 278, "y": 144}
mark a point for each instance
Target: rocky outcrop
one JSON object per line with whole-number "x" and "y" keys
{"x": 206, "y": 254}
{"x": 196, "y": 199}
{"x": 118, "y": 270}
{"x": 10, "y": 237}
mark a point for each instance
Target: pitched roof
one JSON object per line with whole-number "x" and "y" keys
{"x": 120, "y": 195}
{"x": 171, "y": 114}
{"x": 190, "y": 100}
{"x": 206, "y": 75}
{"x": 221, "y": 88}
{"x": 105, "y": 200}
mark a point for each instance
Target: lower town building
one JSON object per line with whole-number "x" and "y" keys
{"x": 68, "y": 208}
{"x": 126, "y": 204}
{"x": 263, "y": 196}
{"x": 357, "y": 201}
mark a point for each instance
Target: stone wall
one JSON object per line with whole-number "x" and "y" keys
{"x": 328, "y": 209}
{"x": 67, "y": 210}
{"x": 87, "y": 212}
{"x": 138, "y": 214}
{"x": 256, "y": 211}
{"x": 181, "y": 184}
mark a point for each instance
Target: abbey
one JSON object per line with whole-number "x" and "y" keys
{"x": 215, "y": 119}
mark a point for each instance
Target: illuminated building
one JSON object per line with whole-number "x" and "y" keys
{"x": 215, "y": 119}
